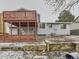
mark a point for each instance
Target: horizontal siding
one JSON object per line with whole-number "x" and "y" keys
{"x": 1, "y": 24}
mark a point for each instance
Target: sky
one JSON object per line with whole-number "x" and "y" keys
{"x": 39, "y": 5}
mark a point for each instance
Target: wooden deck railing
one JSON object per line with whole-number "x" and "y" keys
{"x": 17, "y": 38}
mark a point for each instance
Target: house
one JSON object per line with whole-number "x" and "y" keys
{"x": 24, "y": 25}
{"x": 57, "y": 28}
{"x": 74, "y": 27}
{"x": 19, "y": 26}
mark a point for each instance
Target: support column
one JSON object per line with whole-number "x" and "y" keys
{"x": 35, "y": 28}
{"x": 19, "y": 31}
{"x": 19, "y": 28}
{"x": 28, "y": 27}
{"x": 35, "y": 31}
{"x": 11, "y": 29}
{"x": 3, "y": 30}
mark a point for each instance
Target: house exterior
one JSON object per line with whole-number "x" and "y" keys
{"x": 74, "y": 27}
{"x": 24, "y": 26}
{"x": 19, "y": 26}
{"x": 57, "y": 28}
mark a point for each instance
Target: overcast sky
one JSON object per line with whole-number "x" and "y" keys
{"x": 38, "y": 5}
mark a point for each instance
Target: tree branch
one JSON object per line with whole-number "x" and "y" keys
{"x": 61, "y": 4}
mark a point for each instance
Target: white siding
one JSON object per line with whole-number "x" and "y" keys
{"x": 63, "y": 31}
{"x": 74, "y": 26}
{"x": 56, "y": 29}
{"x": 6, "y": 24}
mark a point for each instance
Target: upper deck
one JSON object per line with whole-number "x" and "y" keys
{"x": 20, "y": 15}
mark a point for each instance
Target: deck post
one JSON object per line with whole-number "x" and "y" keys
{"x": 28, "y": 27}
{"x": 11, "y": 29}
{"x": 3, "y": 30}
{"x": 35, "y": 31}
{"x": 19, "y": 30}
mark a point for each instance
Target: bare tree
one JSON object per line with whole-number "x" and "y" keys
{"x": 58, "y": 5}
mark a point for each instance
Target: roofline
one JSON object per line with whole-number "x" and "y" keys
{"x": 57, "y": 22}
{"x": 18, "y": 10}
{"x": 75, "y": 19}
{"x": 21, "y": 11}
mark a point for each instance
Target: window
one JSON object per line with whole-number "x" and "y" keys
{"x": 49, "y": 25}
{"x": 14, "y": 31}
{"x": 23, "y": 30}
{"x": 31, "y": 29}
{"x": 13, "y": 28}
{"x": 63, "y": 26}
{"x": 42, "y": 25}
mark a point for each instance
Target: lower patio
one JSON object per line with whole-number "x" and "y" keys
{"x": 19, "y": 31}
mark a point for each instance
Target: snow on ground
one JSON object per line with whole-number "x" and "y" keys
{"x": 11, "y": 55}
{"x": 30, "y": 55}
